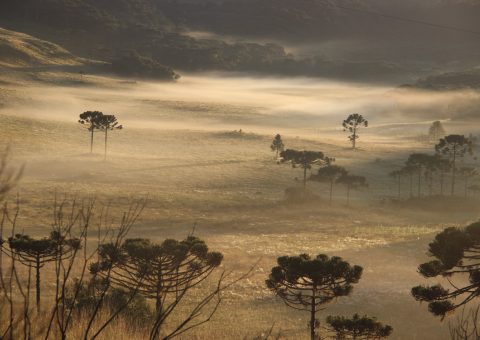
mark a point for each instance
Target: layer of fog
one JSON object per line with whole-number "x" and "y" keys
{"x": 219, "y": 101}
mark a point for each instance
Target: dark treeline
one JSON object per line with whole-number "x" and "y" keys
{"x": 440, "y": 173}
{"x": 326, "y": 171}
{"x": 138, "y": 39}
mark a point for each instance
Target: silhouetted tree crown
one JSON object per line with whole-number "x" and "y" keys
{"x": 91, "y": 120}
{"x": 358, "y": 328}
{"x": 159, "y": 269}
{"x": 352, "y": 124}
{"x": 304, "y": 160}
{"x": 38, "y": 252}
{"x": 108, "y": 123}
{"x": 277, "y": 145}
{"x": 456, "y": 254}
{"x": 307, "y": 283}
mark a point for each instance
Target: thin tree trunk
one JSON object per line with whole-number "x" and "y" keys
{"x": 106, "y": 139}
{"x": 442, "y": 182}
{"x": 466, "y": 186}
{"x": 348, "y": 195}
{"x": 411, "y": 185}
{"x": 454, "y": 170}
{"x": 419, "y": 182}
{"x": 38, "y": 282}
{"x": 430, "y": 185}
{"x": 304, "y": 178}
{"x": 399, "y": 187}
{"x": 331, "y": 192}
{"x": 313, "y": 312}
{"x": 354, "y": 137}
{"x": 91, "y": 141}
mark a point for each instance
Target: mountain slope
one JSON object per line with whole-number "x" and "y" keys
{"x": 22, "y": 50}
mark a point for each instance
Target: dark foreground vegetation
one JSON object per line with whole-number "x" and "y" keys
{"x": 88, "y": 274}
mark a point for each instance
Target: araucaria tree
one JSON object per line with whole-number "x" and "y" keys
{"x": 277, "y": 145}
{"x": 329, "y": 174}
{"x": 304, "y": 160}
{"x": 163, "y": 272}
{"x": 454, "y": 147}
{"x": 358, "y": 328}
{"x": 36, "y": 253}
{"x": 457, "y": 255}
{"x": 90, "y": 119}
{"x": 352, "y": 182}
{"x": 108, "y": 123}
{"x": 306, "y": 283}
{"x": 352, "y": 124}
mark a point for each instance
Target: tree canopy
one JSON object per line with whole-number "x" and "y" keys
{"x": 307, "y": 283}
{"x": 352, "y": 124}
{"x": 358, "y": 327}
{"x": 304, "y": 160}
{"x": 457, "y": 253}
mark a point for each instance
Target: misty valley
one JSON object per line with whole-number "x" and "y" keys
{"x": 237, "y": 170}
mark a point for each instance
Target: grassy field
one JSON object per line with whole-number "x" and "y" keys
{"x": 186, "y": 155}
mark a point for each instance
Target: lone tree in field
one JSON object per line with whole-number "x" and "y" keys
{"x": 277, "y": 145}
{"x": 456, "y": 253}
{"x": 358, "y": 328}
{"x": 36, "y": 253}
{"x": 108, "y": 123}
{"x": 163, "y": 272}
{"x": 352, "y": 124}
{"x": 90, "y": 119}
{"x": 436, "y": 131}
{"x": 307, "y": 284}
{"x": 454, "y": 147}
{"x": 329, "y": 174}
{"x": 304, "y": 160}
{"x": 352, "y": 182}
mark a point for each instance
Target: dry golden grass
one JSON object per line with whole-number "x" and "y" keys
{"x": 184, "y": 156}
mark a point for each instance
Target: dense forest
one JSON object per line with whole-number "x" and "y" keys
{"x": 159, "y": 30}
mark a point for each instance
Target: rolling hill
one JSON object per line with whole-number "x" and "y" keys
{"x": 22, "y": 50}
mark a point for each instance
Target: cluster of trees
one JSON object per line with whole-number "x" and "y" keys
{"x": 327, "y": 172}
{"x": 94, "y": 282}
{"x": 431, "y": 171}
{"x": 87, "y": 276}
{"x": 97, "y": 121}
{"x": 97, "y": 283}
{"x": 135, "y": 65}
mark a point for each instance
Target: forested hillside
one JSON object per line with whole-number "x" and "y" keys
{"x": 344, "y": 39}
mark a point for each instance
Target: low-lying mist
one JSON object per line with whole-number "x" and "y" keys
{"x": 219, "y": 101}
